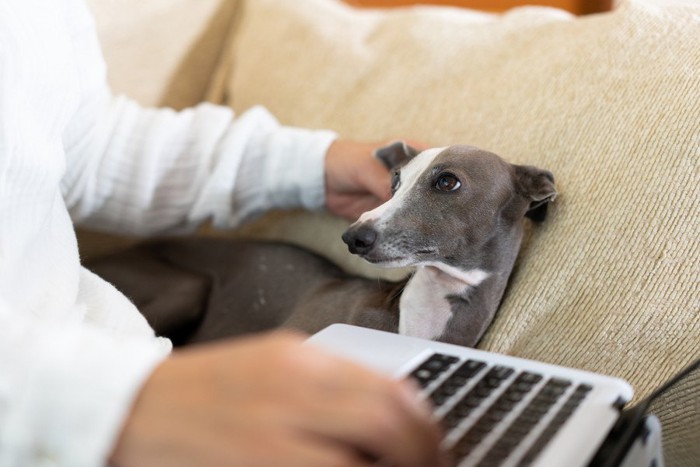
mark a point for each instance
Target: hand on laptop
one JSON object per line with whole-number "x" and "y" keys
{"x": 269, "y": 401}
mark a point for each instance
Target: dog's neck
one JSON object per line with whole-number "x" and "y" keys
{"x": 455, "y": 305}
{"x": 426, "y": 302}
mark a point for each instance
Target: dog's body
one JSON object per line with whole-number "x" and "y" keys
{"x": 456, "y": 214}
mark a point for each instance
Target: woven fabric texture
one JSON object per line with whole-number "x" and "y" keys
{"x": 162, "y": 52}
{"x": 610, "y": 282}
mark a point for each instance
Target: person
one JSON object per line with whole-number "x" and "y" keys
{"x": 84, "y": 380}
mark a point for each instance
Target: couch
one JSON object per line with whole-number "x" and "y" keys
{"x": 608, "y": 102}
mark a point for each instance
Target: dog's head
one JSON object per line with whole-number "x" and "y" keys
{"x": 459, "y": 206}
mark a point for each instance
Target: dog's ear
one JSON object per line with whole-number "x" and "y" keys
{"x": 537, "y": 186}
{"x": 395, "y": 154}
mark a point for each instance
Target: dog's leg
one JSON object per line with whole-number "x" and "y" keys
{"x": 361, "y": 302}
{"x": 256, "y": 286}
{"x": 173, "y": 299}
{"x": 202, "y": 289}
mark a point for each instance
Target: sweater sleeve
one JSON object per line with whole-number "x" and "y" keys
{"x": 67, "y": 389}
{"x": 141, "y": 171}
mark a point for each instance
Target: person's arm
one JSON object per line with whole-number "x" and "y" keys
{"x": 140, "y": 170}
{"x": 271, "y": 401}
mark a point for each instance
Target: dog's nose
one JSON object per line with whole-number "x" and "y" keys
{"x": 360, "y": 239}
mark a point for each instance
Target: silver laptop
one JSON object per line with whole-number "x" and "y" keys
{"x": 499, "y": 410}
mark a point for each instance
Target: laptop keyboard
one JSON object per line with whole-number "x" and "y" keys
{"x": 493, "y": 414}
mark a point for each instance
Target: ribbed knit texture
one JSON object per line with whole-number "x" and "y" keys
{"x": 610, "y": 282}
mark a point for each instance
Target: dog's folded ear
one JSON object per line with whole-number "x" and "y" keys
{"x": 537, "y": 185}
{"x": 395, "y": 154}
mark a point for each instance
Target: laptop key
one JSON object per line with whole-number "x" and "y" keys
{"x": 529, "y": 378}
{"x": 525, "y": 422}
{"x": 432, "y": 368}
{"x": 559, "y": 382}
{"x": 556, "y": 423}
{"x": 469, "y": 368}
{"x": 475, "y": 397}
{"x": 438, "y": 398}
{"x": 496, "y": 413}
{"x": 455, "y": 382}
{"x": 500, "y": 372}
{"x": 438, "y": 364}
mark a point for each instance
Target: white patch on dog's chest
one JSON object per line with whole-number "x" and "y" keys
{"x": 424, "y": 307}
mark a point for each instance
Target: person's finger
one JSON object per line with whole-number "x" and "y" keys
{"x": 419, "y": 145}
{"x": 382, "y": 427}
{"x": 375, "y": 415}
{"x": 309, "y": 450}
{"x": 374, "y": 176}
{"x": 352, "y": 206}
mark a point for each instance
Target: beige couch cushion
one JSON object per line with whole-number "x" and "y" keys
{"x": 162, "y": 52}
{"x": 609, "y": 103}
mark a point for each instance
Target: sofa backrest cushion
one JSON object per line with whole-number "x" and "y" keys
{"x": 609, "y": 103}
{"x": 162, "y": 52}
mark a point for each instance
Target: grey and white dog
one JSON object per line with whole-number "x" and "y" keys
{"x": 457, "y": 214}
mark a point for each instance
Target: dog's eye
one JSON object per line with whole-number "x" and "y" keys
{"x": 447, "y": 182}
{"x": 395, "y": 181}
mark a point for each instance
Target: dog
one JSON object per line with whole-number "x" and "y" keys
{"x": 457, "y": 215}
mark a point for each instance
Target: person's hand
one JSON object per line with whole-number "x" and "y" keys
{"x": 355, "y": 180}
{"x": 269, "y": 401}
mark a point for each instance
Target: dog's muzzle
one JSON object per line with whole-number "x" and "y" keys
{"x": 360, "y": 239}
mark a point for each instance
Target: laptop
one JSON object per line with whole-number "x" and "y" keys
{"x": 499, "y": 410}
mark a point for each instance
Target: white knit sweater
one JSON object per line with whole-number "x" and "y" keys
{"x": 73, "y": 350}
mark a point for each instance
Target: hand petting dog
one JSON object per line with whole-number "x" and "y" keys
{"x": 356, "y": 181}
